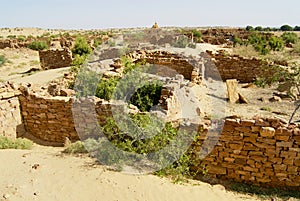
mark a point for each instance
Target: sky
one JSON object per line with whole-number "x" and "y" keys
{"x": 102, "y": 14}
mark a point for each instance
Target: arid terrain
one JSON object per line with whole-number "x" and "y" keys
{"x": 45, "y": 173}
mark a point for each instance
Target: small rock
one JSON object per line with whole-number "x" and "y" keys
{"x": 35, "y": 166}
{"x": 242, "y": 99}
{"x": 67, "y": 142}
{"x": 66, "y": 92}
{"x": 267, "y": 132}
{"x": 6, "y": 196}
{"x": 275, "y": 99}
{"x": 262, "y": 99}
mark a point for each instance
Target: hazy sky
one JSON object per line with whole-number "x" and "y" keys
{"x": 90, "y": 14}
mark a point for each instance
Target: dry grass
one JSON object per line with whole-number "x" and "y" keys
{"x": 245, "y": 51}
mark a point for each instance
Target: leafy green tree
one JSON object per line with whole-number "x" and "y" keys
{"x": 258, "y": 28}
{"x": 297, "y": 28}
{"x": 286, "y": 28}
{"x": 249, "y": 28}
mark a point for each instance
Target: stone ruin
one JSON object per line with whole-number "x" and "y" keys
{"x": 59, "y": 58}
{"x": 260, "y": 151}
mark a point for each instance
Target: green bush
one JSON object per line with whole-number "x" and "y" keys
{"x": 264, "y": 45}
{"x": 81, "y": 47}
{"x": 86, "y": 83}
{"x": 76, "y": 148}
{"x": 259, "y": 43}
{"x": 147, "y": 96}
{"x": 237, "y": 41}
{"x": 181, "y": 42}
{"x": 97, "y": 41}
{"x": 19, "y": 143}
{"x": 106, "y": 87}
{"x": 275, "y": 43}
{"x": 77, "y": 62}
{"x": 3, "y": 60}
{"x": 11, "y": 36}
{"x": 290, "y": 37}
{"x": 38, "y": 45}
{"x": 21, "y": 38}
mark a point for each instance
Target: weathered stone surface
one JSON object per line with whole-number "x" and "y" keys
{"x": 51, "y": 59}
{"x": 267, "y": 132}
{"x": 233, "y": 95}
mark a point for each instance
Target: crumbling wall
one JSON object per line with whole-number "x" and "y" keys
{"x": 260, "y": 151}
{"x": 236, "y": 67}
{"x": 51, "y": 59}
{"x": 10, "y": 118}
{"x": 176, "y": 62}
{"x": 51, "y": 118}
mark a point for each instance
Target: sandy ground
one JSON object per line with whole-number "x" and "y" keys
{"x": 64, "y": 177}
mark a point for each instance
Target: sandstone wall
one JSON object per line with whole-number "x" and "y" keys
{"x": 260, "y": 151}
{"x": 13, "y": 43}
{"x": 51, "y": 59}
{"x": 176, "y": 62}
{"x": 51, "y": 118}
{"x": 10, "y": 118}
{"x": 236, "y": 67}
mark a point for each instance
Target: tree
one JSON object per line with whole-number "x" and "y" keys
{"x": 258, "y": 28}
{"x": 286, "y": 28}
{"x": 249, "y": 28}
{"x": 297, "y": 28}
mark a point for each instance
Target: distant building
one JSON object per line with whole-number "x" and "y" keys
{"x": 155, "y": 26}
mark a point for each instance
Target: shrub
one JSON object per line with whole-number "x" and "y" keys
{"x": 77, "y": 62}
{"x": 196, "y": 33}
{"x": 3, "y": 60}
{"x": 286, "y": 28}
{"x": 105, "y": 88}
{"x": 181, "y": 42}
{"x": 275, "y": 43}
{"x": 147, "y": 96}
{"x": 290, "y": 37}
{"x": 81, "y": 47}
{"x": 97, "y": 41}
{"x": 237, "y": 41}
{"x": 21, "y": 38}
{"x": 263, "y": 44}
{"x": 296, "y": 48}
{"x": 76, "y": 148}
{"x": 19, "y": 143}
{"x": 11, "y": 36}
{"x": 38, "y": 45}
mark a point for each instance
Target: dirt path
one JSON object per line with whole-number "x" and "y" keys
{"x": 59, "y": 177}
{"x": 42, "y": 77}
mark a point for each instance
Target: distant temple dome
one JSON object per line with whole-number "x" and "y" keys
{"x": 155, "y": 26}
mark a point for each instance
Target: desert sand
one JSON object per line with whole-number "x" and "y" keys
{"x": 44, "y": 173}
